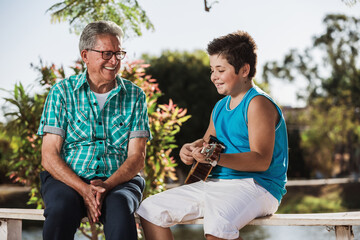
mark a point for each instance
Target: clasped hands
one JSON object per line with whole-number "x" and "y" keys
{"x": 94, "y": 196}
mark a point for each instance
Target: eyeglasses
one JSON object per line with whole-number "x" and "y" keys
{"x": 107, "y": 55}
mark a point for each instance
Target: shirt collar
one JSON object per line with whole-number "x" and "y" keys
{"x": 82, "y": 79}
{"x": 119, "y": 83}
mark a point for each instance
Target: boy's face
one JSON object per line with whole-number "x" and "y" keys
{"x": 223, "y": 75}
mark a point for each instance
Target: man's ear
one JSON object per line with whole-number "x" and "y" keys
{"x": 84, "y": 56}
{"x": 245, "y": 70}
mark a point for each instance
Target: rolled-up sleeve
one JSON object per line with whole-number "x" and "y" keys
{"x": 54, "y": 119}
{"x": 140, "y": 121}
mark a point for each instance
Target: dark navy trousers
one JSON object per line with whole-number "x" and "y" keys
{"x": 64, "y": 209}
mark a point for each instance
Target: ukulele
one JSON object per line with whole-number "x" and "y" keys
{"x": 200, "y": 171}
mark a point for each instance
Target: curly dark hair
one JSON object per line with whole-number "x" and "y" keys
{"x": 237, "y": 48}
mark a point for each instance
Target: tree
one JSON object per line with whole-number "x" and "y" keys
{"x": 127, "y": 14}
{"x": 332, "y": 72}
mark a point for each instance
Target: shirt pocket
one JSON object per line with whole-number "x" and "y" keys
{"x": 119, "y": 130}
{"x": 79, "y": 126}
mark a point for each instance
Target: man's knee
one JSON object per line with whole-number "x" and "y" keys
{"x": 119, "y": 202}
{"x": 62, "y": 202}
{"x": 126, "y": 197}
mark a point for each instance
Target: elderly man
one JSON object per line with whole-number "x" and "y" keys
{"x": 95, "y": 128}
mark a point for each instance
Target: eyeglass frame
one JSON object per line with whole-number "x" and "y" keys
{"x": 122, "y": 54}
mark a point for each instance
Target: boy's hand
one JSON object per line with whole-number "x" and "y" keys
{"x": 198, "y": 156}
{"x": 186, "y": 153}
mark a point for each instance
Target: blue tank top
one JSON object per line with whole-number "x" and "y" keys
{"x": 232, "y": 129}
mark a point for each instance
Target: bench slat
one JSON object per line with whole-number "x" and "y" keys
{"x": 313, "y": 219}
{"x": 19, "y": 213}
{"x": 10, "y": 221}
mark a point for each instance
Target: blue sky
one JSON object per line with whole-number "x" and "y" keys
{"x": 276, "y": 25}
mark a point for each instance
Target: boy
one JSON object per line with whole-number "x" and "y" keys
{"x": 249, "y": 178}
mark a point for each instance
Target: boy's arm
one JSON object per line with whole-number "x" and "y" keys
{"x": 186, "y": 152}
{"x": 262, "y": 119}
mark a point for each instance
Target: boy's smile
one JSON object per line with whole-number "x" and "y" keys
{"x": 223, "y": 75}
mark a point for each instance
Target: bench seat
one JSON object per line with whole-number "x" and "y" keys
{"x": 11, "y": 221}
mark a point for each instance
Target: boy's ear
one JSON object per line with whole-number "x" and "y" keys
{"x": 245, "y": 70}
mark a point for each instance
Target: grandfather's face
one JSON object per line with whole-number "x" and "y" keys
{"x": 101, "y": 70}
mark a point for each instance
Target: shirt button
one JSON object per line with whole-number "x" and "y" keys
{"x": 121, "y": 124}
{"x": 98, "y": 158}
{"x": 100, "y": 142}
{"x": 100, "y": 123}
{"x": 95, "y": 103}
{"x": 78, "y": 121}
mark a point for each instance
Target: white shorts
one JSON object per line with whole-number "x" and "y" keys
{"x": 226, "y": 205}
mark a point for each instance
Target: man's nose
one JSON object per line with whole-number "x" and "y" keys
{"x": 113, "y": 59}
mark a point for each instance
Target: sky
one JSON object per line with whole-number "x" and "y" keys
{"x": 276, "y": 25}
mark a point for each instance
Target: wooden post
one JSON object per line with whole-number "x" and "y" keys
{"x": 344, "y": 233}
{"x": 10, "y": 229}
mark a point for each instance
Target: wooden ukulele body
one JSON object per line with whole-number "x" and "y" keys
{"x": 200, "y": 171}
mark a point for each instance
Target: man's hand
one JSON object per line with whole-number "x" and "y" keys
{"x": 93, "y": 208}
{"x": 99, "y": 196}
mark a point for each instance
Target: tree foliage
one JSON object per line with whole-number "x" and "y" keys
{"x": 331, "y": 69}
{"x": 128, "y": 14}
{"x": 165, "y": 122}
{"x": 24, "y": 163}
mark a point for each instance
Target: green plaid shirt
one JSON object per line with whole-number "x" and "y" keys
{"x": 95, "y": 142}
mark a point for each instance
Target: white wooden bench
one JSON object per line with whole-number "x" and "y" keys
{"x": 11, "y": 221}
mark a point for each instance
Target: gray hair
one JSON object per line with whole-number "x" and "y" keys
{"x": 92, "y": 30}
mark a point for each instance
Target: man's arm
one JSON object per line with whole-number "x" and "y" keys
{"x": 56, "y": 166}
{"x": 132, "y": 166}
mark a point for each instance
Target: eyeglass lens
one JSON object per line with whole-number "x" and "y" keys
{"x": 108, "y": 55}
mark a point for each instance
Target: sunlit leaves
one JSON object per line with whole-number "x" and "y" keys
{"x": 127, "y": 14}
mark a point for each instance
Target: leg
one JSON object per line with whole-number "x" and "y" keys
{"x": 154, "y": 232}
{"x": 118, "y": 210}
{"x": 64, "y": 209}
{"x": 232, "y": 204}
{"x": 165, "y": 209}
